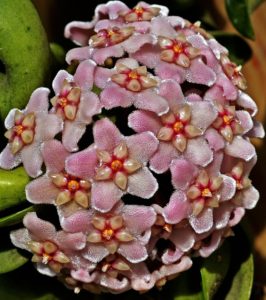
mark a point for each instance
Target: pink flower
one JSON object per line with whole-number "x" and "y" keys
{"x": 26, "y": 131}
{"x": 176, "y": 55}
{"x": 56, "y": 187}
{"x": 198, "y": 193}
{"x": 128, "y": 84}
{"x": 51, "y": 250}
{"x": 75, "y": 103}
{"x": 117, "y": 164}
{"x": 124, "y": 230}
{"x": 180, "y": 131}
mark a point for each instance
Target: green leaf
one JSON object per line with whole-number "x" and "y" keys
{"x": 214, "y": 270}
{"x": 238, "y": 12}
{"x": 12, "y": 187}
{"x": 10, "y": 260}
{"x": 243, "y": 280}
{"x": 16, "y": 217}
{"x": 239, "y": 50}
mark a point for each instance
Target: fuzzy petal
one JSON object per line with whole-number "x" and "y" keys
{"x": 106, "y": 135}
{"x": 182, "y": 172}
{"x": 71, "y": 241}
{"x": 250, "y": 197}
{"x": 53, "y": 125}
{"x": 20, "y": 238}
{"x": 84, "y": 74}
{"x": 41, "y": 190}
{"x": 203, "y": 222}
{"x": 161, "y": 160}
{"x": 228, "y": 188}
{"x": 171, "y": 71}
{"x": 114, "y": 96}
{"x": 78, "y": 222}
{"x": 8, "y": 160}
{"x": 59, "y": 79}
{"x": 141, "y": 121}
{"x": 177, "y": 208}
{"x": 142, "y": 146}
{"x": 142, "y": 184}
{"x": 78, "y": 54}
{"x": 135, "y": 42}
{"x": 100, "y": 55}
{"x": 133, "y": 251}
{"x": 82, "y": 164}
{"x": 183, "y": 238}
{"x": 160, "y": 26}
{"x": 199, "y": 152}
{"x": 200, "y": 73}
{"x": 245, "y": 101}
{"x": 105, "y": 195}
{"x": 240, "y": 148}
{"x": 245, "y": 120}
{"x": 72, "y": 133}
{"x": 221, "y": 215}
{"x": 32, "y": 159}
{"x": 138, "y": 218}
{"x": 149, "y": 100}
{"x": 38, "y": 100}
{"x": 200, "y": 111}
{"x": 88, "y": 107}
{"x": 257, "y": 130}
{"x": 95, "y": 252}
{"x": 172, "y": 92}
{"x": 54, "y": 155}
{"x": 39, "y": 229}
{"x": 215, "y": 140}
{"x": 207, "y": 250}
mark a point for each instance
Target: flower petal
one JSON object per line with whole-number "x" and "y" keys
{"x": 138, "y": 218}
{"x": 250, "y": 197}
{"x": 240, "y": 148}
{"x": 149, "y": 100}
{"x": 8, "y": 160}
{"x": 182, "y": 172}
{"x": 142, "y": 146}
{"x": 78, "y": 54}
{"x": 95, "y": 252}
{"x": 39, "y": 229}
{"x": 82, "y": 164}
{"x": 160, "y": 26}
{"x": 200, "y": 111}
{"x": 136, "y": 41}
{"x": 88, "y": 107}
{"x": 172, "y": 92}
{"x": 228, "y": 188}
{"x": 198, "y": 151}
{"x": 105, "y": 195}
{"x": 32, "y": 159}
{"x": 133, "y": 251}
{"x": 84, "y": 74}
{"x": 114, "y": 96}
{"x": 177, "y": 208}
{"x": 41, "y": 190}
{"x": 203, "y": 222}
{"x": 53, "y": 125}
{"x": 215, "y": 140}
{"x": 207, "y": 250}
{"x": 73, "y": 131}
{"x": 142, "y": 184}
{"x": 106, "y": 135}
{"x": 245, "y": 101}
{"x": 141, "y": 121}
{"x": 38, "y": 101}
{"x": 71, "y": 241}
{"x": 78, "y": 222}
{"x": 20, "y": 238}
{"x": 221, "y": 215}
{"x": 100, "y": 55}
{"x": 59, "y": 80}
{"x": 200, "y": 73}
{"x": 183, "y": 238}
{"x": 54, "y": 156}
{"x": 160, "y": 161}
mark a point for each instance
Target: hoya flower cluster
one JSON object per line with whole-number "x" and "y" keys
{"x": 145, "y": 148}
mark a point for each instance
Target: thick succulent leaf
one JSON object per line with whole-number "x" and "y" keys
{"x": 12, "y": 187}
{"x": 16, "y": 217}
{"x": 243, "y": 281}
{"x": 239, "y": 14}
{"x": 214, "y": 270}
{"x": 10, "y": 260}
{"x": 239, "y": 50}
